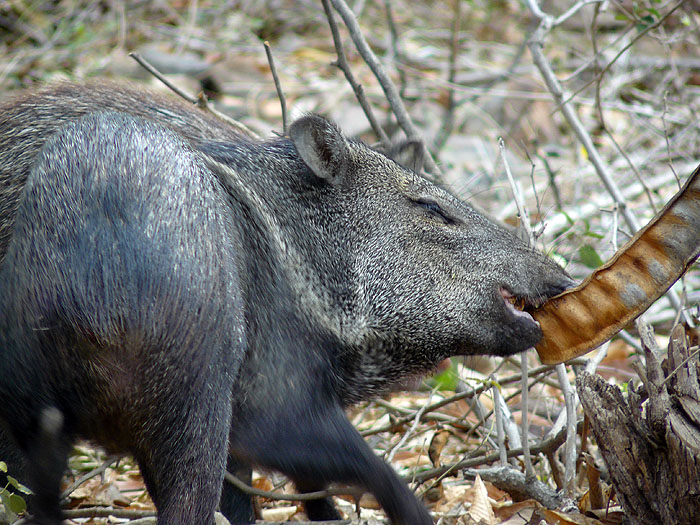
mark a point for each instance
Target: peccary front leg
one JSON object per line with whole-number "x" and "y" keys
{"x": 236, "y": 505}
{"x": 318, "y": 446}
{"x": 318, "y": 509}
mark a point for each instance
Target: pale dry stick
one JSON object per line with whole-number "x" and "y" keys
{"x": 570, "y": 447}
{"x": 499, "y": 423}
{"x": 536, "y": 44}
{"x": 386, "y": 83}
{"x": 448, "y": 120}
{"x": 525, "y": 221}
{"x": 200, "y": 101}
{"x": 601, "y": 116}
{"x": 411, "y": 431}
{"x": 342, "y": 64}
{"x": 395, "y": 52}
{"x": 278, "y": 85}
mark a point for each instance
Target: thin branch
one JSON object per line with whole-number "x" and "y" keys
{"x": 200, "y": 101}
{"x": 153, "y": 71}
{"x": 342, "y": 64}
{"x": 106, "y": 512}
{"x": 448, "y": 120}
{"x": 386, "y": 83}
{"x": 89, "y": 475}
{"x": 525, "y": 423}
{"x": 278, "y": 86}
{"x": 306, "y": 496}
{"x": 570, "y": 449}
{"x": 395, "y": 45}
{"x": 497, "y": 400}
{"x": 410, "y": 432}
{"x": 601, "y": 115}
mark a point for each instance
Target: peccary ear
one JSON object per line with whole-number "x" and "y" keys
{"x": 408, "y": 154}
{"x": 322, "y": 146}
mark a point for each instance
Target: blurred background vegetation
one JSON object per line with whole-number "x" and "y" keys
{"x": 631, "y": 70}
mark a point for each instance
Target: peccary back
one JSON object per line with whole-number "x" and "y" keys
{"x": 324, "y": 273}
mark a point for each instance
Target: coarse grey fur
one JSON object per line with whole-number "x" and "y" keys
{"x": 352, "y": 272}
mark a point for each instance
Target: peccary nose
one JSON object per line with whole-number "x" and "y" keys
{"x": 564, "y": 284}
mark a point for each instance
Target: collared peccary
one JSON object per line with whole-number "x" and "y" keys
{"x": 167, "y": 280}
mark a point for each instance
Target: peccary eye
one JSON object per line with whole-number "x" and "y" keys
{"x": 434, "y": 209}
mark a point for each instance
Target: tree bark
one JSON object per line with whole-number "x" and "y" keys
{"x": 650, "y": 438}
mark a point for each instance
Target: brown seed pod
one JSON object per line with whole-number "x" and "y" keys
{"x": 583, "y": 318}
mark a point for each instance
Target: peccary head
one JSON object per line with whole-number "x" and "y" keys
{"x": 430, "y": 271}
{"x": 400, "y": 271}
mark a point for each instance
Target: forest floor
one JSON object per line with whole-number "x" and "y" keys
{"x": 631, "y": 70}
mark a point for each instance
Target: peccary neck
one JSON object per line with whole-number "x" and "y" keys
{"x": 299, "y": 284}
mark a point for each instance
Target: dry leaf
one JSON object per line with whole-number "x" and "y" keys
{"x": 279, "y": 513}
{"x": 481, "y": 511}
{"x": 436, "y": 445}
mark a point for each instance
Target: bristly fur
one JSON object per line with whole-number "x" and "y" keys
{"x": 167, "y": 281}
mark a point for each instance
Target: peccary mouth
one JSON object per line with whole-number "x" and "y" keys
{"x": 518, "y": 305}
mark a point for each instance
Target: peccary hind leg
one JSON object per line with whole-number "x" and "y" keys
{"x": 118, "y": 314}
{"x": 317, "y": 509}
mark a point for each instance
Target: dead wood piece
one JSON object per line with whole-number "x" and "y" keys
{"x": 519, "y": 486}
{"x": 653, "y": 453}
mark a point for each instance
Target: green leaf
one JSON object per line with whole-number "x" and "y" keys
{"x": 445, "y": 381}
{"x": 3, "y": 466}
{"x": 17, "y": 485}
{"x": 16, "y": 503}
{"x": 589, "y": 256}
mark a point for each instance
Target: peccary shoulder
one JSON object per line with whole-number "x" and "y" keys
{"x": 345, "y": 272}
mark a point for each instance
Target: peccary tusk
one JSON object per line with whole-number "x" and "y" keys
{"x": 582, "y": 318}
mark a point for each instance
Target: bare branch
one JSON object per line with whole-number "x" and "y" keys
{"x": 200, "y": 101}
{"x": 278, "y": 86}
{"x": 343, "y": 65}
{"x": 306, "y": 496}
{"x": 388, "y": 86}
{"x": 570, "y": 449}
{"x": 448, "y": 120}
